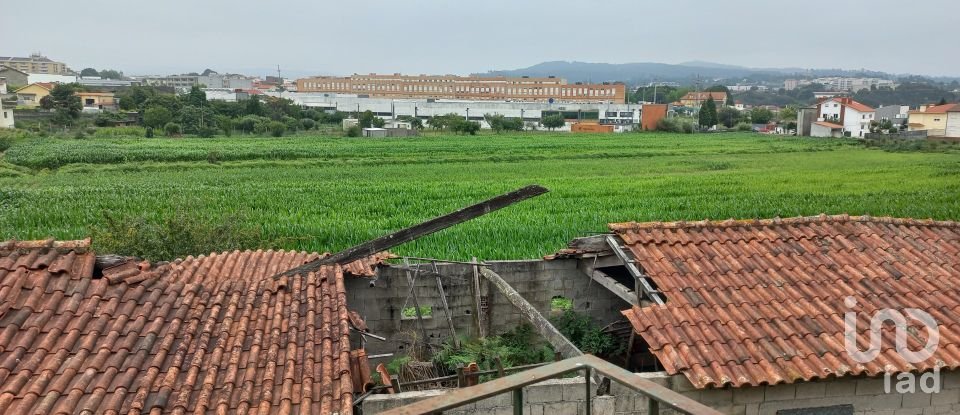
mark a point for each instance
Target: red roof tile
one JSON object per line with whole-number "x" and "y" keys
{"x": 829, "y": 124}
{"x": 763, "y": 302}
{"x": 206, "y": 334}
{"x": 938, "y": 109}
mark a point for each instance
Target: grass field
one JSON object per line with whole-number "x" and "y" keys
{"x": 322, "y": 194}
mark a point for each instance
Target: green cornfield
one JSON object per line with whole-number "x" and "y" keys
{"x": 324, "y": 194}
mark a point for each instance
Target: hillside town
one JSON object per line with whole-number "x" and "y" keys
{"x": 830, "y": 110}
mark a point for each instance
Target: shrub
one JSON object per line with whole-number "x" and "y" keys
{"x": 149, "y": 132}
{"x": 354, "y": 131}
{"x": 206, "y": 132}
{"x": 308, "y": 123}
{"x": 214, "y": 156}
{"x": 277, "y": 128}
{"x": 583, "y": 333}
{"x": 669, "y": 125}
{"x": 172, "y": 129}
{"x": 744, "y": 127}
{"x": 5, "y": 142}
{"x": 687, "y": 127}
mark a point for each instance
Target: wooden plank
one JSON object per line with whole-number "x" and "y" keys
{"x": 615, "y": 287}
{"x": 386, "y": 242}
{"x": 641, "y": 279}
{"x": 412, "y": 281}
{"x": 477, "y": 311}
{"x": 553, "y": 336}
{"x": 446, "y": 309}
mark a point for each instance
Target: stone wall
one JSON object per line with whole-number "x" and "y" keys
{"x": 538, "y": 281}
{"x": 858, "y": 396}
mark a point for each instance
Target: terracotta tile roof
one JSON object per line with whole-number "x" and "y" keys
{"x": 763, "y": 302}
{"x": 206, "y": 334}
{"x": 938, "y": 109}
{"x": 829, "y": 124}
{"x": 703, "y": 96}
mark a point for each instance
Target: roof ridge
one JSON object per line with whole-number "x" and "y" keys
{"x": 821, "y": 218}
{"x": 70, "y": 245}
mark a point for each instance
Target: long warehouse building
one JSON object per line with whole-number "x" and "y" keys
{"x": 623, "y": 117}
{"x": 496, "y": 88}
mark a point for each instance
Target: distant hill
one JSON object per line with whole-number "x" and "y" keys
{"x": 685, "y": 73}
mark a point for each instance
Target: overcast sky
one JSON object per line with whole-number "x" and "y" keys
{"x": 456, "y": 36}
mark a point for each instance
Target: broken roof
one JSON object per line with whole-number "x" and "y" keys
{"x": 204, "y": 334}
{"x": 763, "y": 301}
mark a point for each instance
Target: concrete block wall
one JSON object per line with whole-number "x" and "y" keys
{"x": 538, "y": 281}
{"x": 866, "y": 396}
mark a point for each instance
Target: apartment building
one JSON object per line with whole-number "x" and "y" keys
{"x": 35, "y": 63}
{"x": 496, "y": 88}
{"x": 846, "y": 116}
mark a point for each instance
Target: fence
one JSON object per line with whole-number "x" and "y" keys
{"x": 588, "y": 364}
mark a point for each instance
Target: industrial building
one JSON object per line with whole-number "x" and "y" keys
{"x": 623, "y": 117}
{"x": 496, "y": 88}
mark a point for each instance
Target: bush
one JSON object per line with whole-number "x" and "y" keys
{"x": 277, "y": 128}
{"x": 206, "y": 132}
{"x": 149, "y": 132}
{"x": 583, "y": 333}
{"x": 669, "y": 125}
{"x": 354, "y": 131}
{"x": 5, "y": 143}
{"x": 172, "y": 129}
{"x": 308, "y": 123}
{"x": 174, "y": 236}
{"x": 744, "y": 127}
{"x": 687, "y": 127}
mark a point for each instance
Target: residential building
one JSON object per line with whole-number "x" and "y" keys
{"x": 497, "y": 88}
{"x": 837, "y": 83}
{"x": 179, "y": 83}
{"x": 30, "y": 95}
{"x": 791, "y": 84}
{"x": 933, "y": 119}
{"x": 806, "y": 116}
{"x": 826, "y": 129}
{"x": 6, "y": 116}
{"x": 897, "y": 114}
{"x": 853, "y": 116}
{"x": 35, "y": 63}
{"x": 98, "y": 101}
{"x": 695, "y": 99}
{"x": 15, "y": 77}
{"x": 231, "y": 81}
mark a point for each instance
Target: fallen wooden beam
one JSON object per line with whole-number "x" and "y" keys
{"x": 386, "y": 242}
{"x": 615, "y": 287}
{"x": 553, "y": 336}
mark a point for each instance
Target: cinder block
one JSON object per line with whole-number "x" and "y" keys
{"x": 870, "y": 386}
{"x": 748, "y": 394}
{"x": 909, "y": 411}
{"x": 945, "y": 397}
{"x": 562, "y": 408}
{"x": 808, "y": 390}
{"x": 916, "y": 400}
{"x": 503, "y": 399}
{"x": 680, "y": 383}
{"x": 950, "y": 379}
{"x": 574, "y": 389}
{"x": 752, "y": 409}
{"x": 543, "y": 393}
{"x": 782, "y": 392}
{"x": 842, "y": 387}
{"x": 714, "y": 397}
{"x": 602, "y": 405}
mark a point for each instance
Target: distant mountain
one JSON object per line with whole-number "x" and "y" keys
{"x": 685, "y": 73}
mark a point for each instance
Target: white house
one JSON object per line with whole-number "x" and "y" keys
{"x": 855, "y": 117}
{"x": 6, "y": 116}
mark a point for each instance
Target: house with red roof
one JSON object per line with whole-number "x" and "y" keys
{"x": 854, "y": 117}
{"x": 937, "y": 120}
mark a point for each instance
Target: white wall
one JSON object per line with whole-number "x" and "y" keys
{"x": 856, "y": 122}
{"x": 43, "y": 77}
{"x": 953, "y": 124}
{"x": 6, "y": 117}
